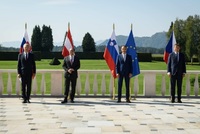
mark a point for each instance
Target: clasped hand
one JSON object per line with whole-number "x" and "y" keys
{"x": 70, "y": 70}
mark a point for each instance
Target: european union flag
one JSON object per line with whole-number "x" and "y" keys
{"x": 131, "y": 50}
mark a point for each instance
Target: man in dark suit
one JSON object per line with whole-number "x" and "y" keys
{"x": 124, "y": 70}
{"x": 71, "y": 64}
{"x": 176, "y": 70}
{"x": 26, "y": 71}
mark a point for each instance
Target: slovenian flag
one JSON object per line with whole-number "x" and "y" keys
{"x": 131, "y": 50}
{"x": 68, "y": 44}
{"x": 110, "y": 54}
{"x": 24, "y": 40}
{"x": 169, "y": 48}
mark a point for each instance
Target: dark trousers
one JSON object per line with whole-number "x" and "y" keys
{"x": 120, "y": 82}
{"x": 71, "y": 80}
{"x": 176, "y": 79}
{"x": 26, "y": 86}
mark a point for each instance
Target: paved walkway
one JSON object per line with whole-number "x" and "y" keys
{"x": 99, "y": 116}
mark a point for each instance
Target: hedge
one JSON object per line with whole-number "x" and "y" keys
{"x": 142, "y": 57}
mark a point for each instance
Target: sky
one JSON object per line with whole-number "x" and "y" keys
{"x": 94, "y": 16}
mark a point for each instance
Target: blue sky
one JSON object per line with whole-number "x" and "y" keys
{"x": 93, "y": 16}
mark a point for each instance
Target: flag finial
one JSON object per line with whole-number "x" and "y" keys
{"x": 113, "y": 26}
{"x": 68, "y": 25}
{"x": 25, "y": 26}
{"x": 173, "y": 26}
{"x": 131, "y": 26}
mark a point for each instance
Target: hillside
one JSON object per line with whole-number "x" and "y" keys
{"x": 158, "y": 40}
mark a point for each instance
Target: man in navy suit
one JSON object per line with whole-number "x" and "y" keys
{"x": 176, "y": 70}
{"x": 124, "y": 70}
{"x": 71, "y": 64}
{"x": 26, "y": 71}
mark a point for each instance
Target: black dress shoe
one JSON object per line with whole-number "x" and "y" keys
{"x": 128, "y": 101}
{"x": 118, "y": 101}
{"x": 172, "y": 101}
{"x": 28, "y": 101}
{"x": 72, "y": 101}
{"x": 65, "y": 101}
{"x": 24, "y": 101}
{"x": 179, "y": 101}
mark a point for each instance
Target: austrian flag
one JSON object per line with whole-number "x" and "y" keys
{"x": 68, "y": 44}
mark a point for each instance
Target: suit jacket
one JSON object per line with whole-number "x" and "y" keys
{"x": 26, "y": 66}
{"x": 124, "y": 67}
{"x": 67, "y": 65}
{"x": 175, "y": 66}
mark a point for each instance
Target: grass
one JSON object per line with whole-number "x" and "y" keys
{"x": 95, "y": 65}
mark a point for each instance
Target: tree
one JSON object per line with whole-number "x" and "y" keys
{"x": 192, "y": 36}
{"x": 47, "y": 39}
{"x": 88, "y": 43}
{"x": 179, "y": 30}
{"x": 36, "y": 39}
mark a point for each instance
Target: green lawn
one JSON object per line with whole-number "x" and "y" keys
{"x": 95, "y": 65}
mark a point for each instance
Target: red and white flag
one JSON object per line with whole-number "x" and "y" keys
{"x": 169, "y": 47}
{"x": 24, "y": 40}
{"x": 68, "y": 44}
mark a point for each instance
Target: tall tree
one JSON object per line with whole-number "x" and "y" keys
{"x": 192, "y": 37}
{"x": 88, "y": 43}
{"x": 36, "y": 39}
{"x": 179, "y": 30}
{"x": 47, "y": 39}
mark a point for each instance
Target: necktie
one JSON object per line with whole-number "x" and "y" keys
{"x": 176, "y": 57}
{"x": 26, "y": 56}
{"x": 124, "y": 56}
{"x": 71, "y": 59}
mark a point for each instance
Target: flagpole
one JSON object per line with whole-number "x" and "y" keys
{"x": 25, "y": 26}
{"x": 113, "y": 77}
{"x": 132, "y": 74}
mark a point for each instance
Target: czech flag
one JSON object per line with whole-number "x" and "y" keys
{"x": 24, "y": 40}
{"x": 169, "y": 48}
{"x": 131, "y": 50}
{"x": 110, "y": 54}
{"x": 68, "y": 44}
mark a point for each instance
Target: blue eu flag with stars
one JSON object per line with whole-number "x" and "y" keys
{"x": 131, "y": 50}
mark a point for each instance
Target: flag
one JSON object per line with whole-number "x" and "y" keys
{"x": 68, "y": 44}
{"x": 110, "y": 54}
{"x": 169, "y": 47}
{"x": 24, "y": 40}
{"x": 131, "y": 50}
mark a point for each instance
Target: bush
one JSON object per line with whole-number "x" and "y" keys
{"x": 55, "y": 61}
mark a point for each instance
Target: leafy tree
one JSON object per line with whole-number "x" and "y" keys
{"x": 192, "y": 36}
{"x": 88, "y": 43}
{"x": 36, "y": 39}
{"x": 47, "y": 39}
{"x": 179, "y": 31}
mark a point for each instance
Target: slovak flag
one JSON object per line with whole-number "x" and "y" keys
{"x": 131, "y": 50}
{"x": 24, "y": 40}
{"x": 169, "y": 48}
{"x": 68, "y": 44}
{"x": 110, "y": 54}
